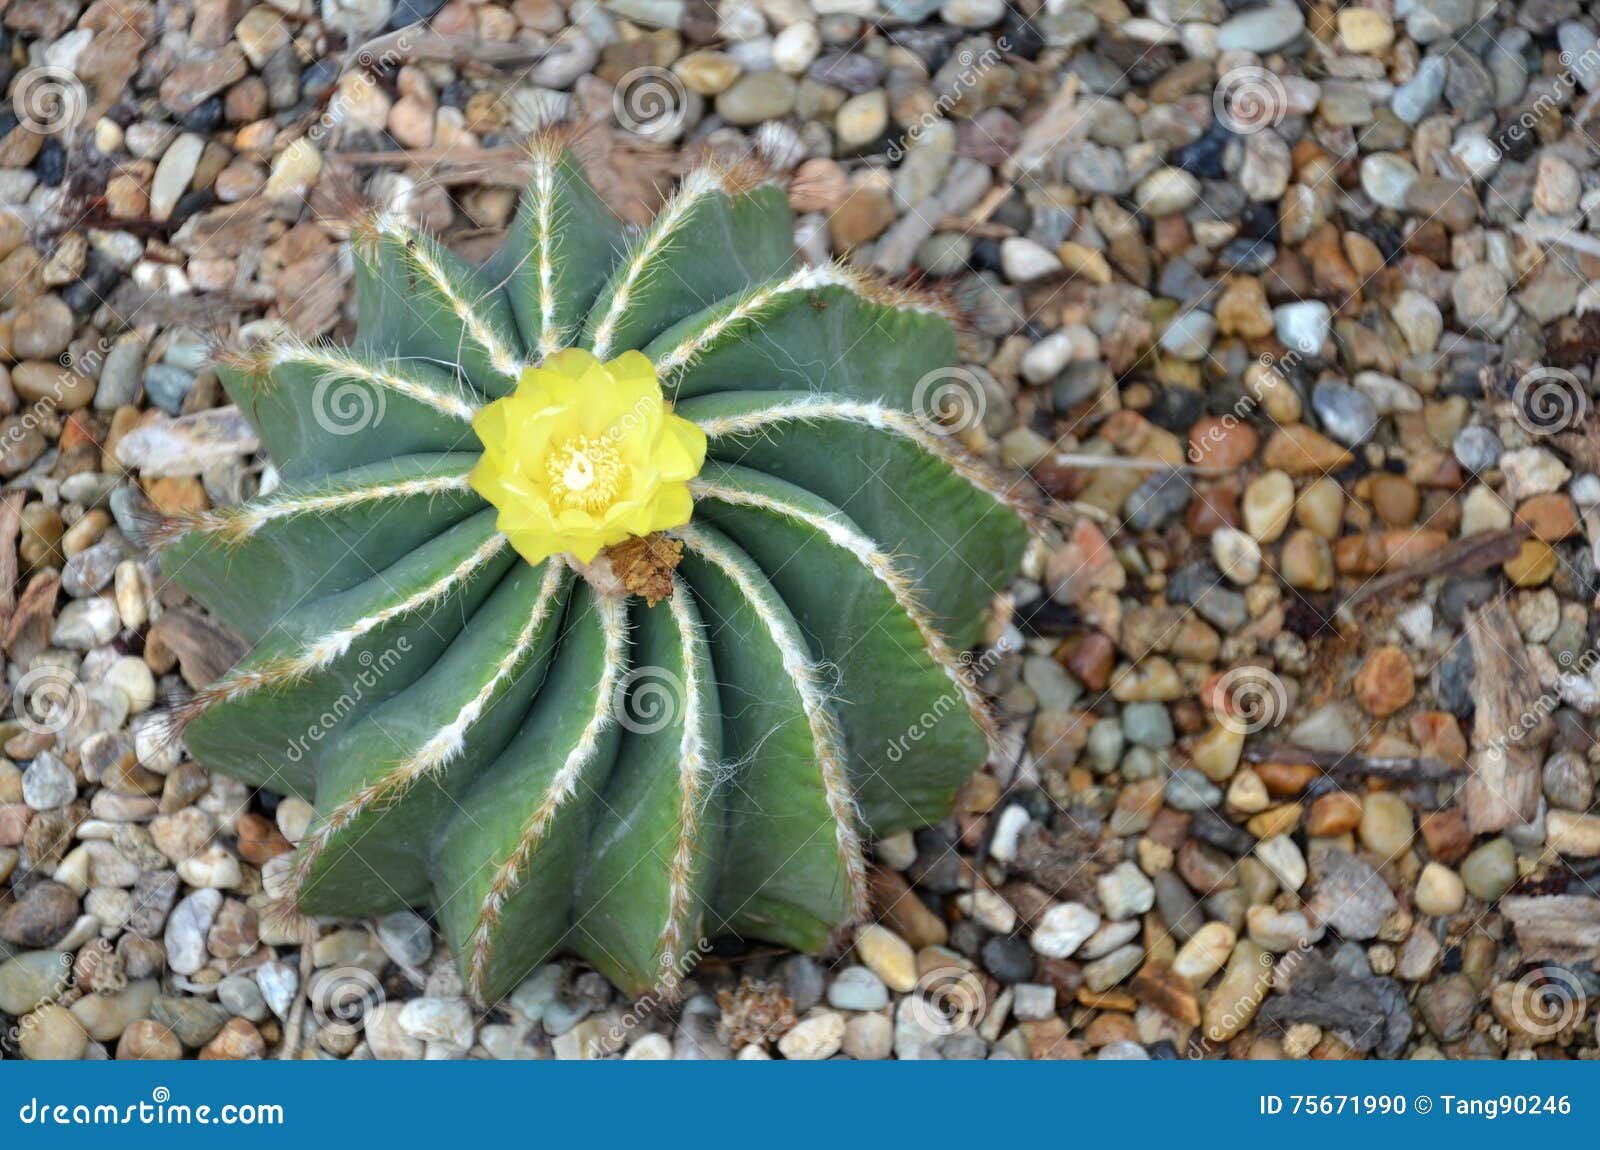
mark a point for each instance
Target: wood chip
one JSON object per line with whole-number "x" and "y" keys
{"x": 1555, "y": 928}
{"x": 10, "y": 528}
{"x": 1511, "y": 722}
{"x": 32, "y": 624}
{"x": 204, "y": 649}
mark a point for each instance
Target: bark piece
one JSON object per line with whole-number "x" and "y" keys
{"x": 1562, "y": 928}
{"x": 1511, "y": 722}
{"x": 203, "y": 648}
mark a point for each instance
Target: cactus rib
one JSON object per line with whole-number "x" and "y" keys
{"x": 824, "y": 729}
{"x": 509, "y": 874}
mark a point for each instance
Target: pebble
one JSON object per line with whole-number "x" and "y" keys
{"x": 41, "y": 329}
{"x": 815, "y": 1038}
{"x": 1303, "y": 327}
{"x": 757, "y": 96}
{"x": 1346, "y": 413}
{"x": 41, "y": 917}
{"x": 1490, "y": 870}
{"x": 1264, "y": 29}
{"x": 1282, "y": 857}
{"x": 447, "y": 1021}
{"x": 48, "y": 783}
{"x": 1166, "y": 191}
{"x": 888, "y": 956}
{"x": 1025, "y": 261}
{"x": 1350, "y": 896}
{"x": 1063, "y": 928}
{"x": 52, "y": 1034}
{"x": 869, "y": 1037}
{"x": 31, "y": 978}
{"x": 185, "y": 936}
{"x": 857, "y": 988}
{"x": 1440, "y": 891}
{"x": 1387, "y": 178}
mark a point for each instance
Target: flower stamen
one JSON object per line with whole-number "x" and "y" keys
{"x": 584, "y": 474}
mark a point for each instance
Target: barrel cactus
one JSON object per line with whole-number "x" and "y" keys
{"x": 612, "y": 594}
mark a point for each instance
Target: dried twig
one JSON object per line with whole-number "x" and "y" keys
{"x": 1464, "y": 556}
{"x": 294, "y": 1026}
{"x": 1577, "y": 241}
{"x": 418, "y": 42}
{"x": 506, "y": 167}
{"x": 1399, "y": 768}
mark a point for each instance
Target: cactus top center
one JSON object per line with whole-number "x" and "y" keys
{"x": 584, "y": 455}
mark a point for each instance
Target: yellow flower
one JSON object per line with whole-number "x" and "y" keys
{"x": 585, "y": 454}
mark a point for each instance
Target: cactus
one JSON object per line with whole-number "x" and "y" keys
{"x": 611, "y": 595}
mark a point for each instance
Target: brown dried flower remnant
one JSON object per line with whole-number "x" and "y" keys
{"x": 645, "y": 565}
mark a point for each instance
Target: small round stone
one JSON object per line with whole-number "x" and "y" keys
{"x": 1440, "y": 891}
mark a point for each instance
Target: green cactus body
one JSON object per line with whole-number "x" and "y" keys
{"x": 545, "y": 759}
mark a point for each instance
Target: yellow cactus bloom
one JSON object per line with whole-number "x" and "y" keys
{"x": 585, "y": 454}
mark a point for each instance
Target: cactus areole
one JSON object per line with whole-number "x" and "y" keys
{"x": 612, "y": 595}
